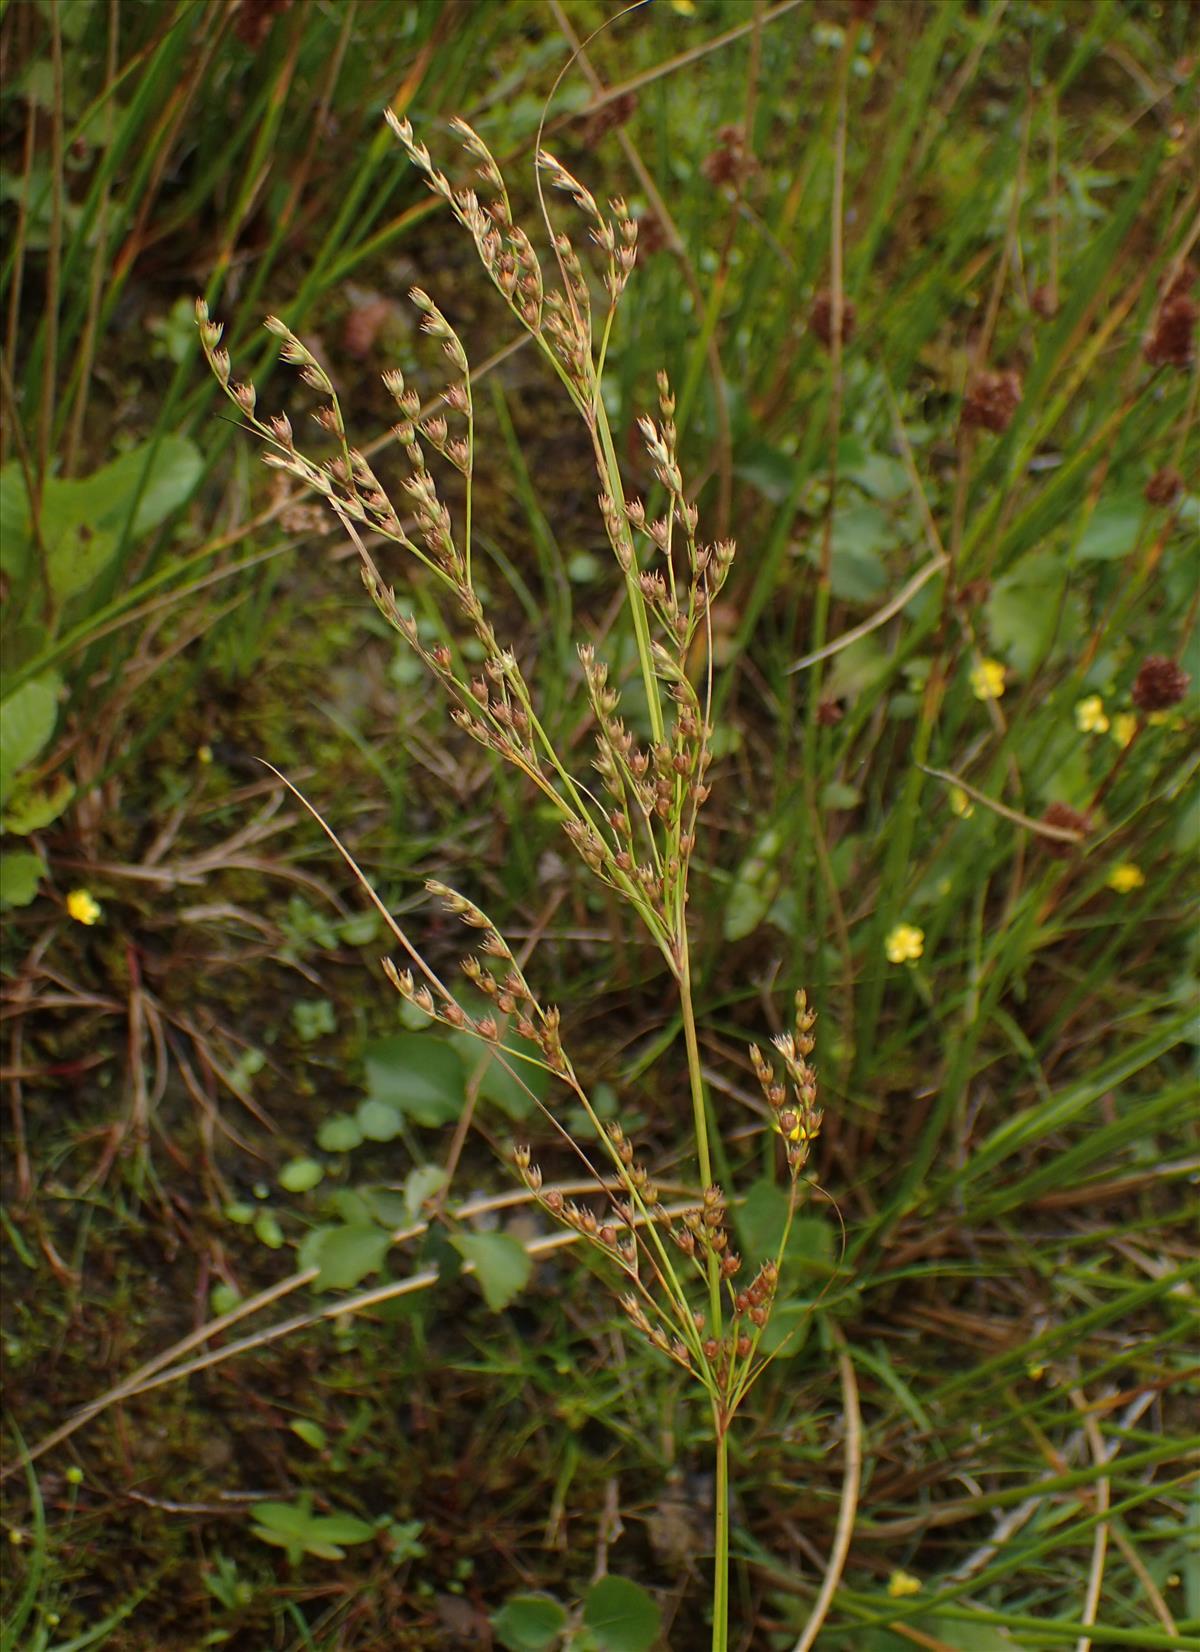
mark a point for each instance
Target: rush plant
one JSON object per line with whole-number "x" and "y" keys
{"x": 678, "y": 1277}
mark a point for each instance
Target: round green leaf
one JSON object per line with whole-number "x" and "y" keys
{"x": 379, "y": 1120}
{"x": 299, "y": 1175}
{"x": 20, "y": 874}
{"x": 502, "y": 1266}
{"x": 621, "y": 1615}
{"x": 344, "y": 1255}
{"x": 27, "y": 720}
{"x": 419, "y": 1076}
{"x": 529, "y": 1623}
{"x": 339, "y": 1134}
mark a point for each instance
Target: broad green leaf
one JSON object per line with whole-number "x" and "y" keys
{"x": 621, "y": 1615}
{"x": 1113, "y": 529}
{"x": 1026, "y": 611}
{"x": 420, "y": 1076}
{"x": 293, "y": 1526}
{"x": 340, "y": 1134}
{"x": 104, "y": 497}
{"x": 421, "y": 1184}
{"x": 502, "y": 1266}
{"x": 20, "y": 873}
{"x": 16, "y": 548}
{"x": 787, "y": 1329}
{"x": 509, "y": 1090}
{"x": 311, "y": 1433}
{"x": 300, "y": 1175}
{"x": 30, "y": 807}
{"x": 529, "y": 1623}
{"x": 76, "y": 556}
{"x": 344, "y": 1255}
{"x": 27, "y": 720}
{"x": 755, "y": 886}
{"x": 82, "y": 518}
{"x": 761, "y": 1220}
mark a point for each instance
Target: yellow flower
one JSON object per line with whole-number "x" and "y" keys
{"x": 1124, "y": 727}
{"x": 987, "y": 680}
{"x": 1035, "y": 1371}
{"x": 1125, "y": 877}
{"x": 904, "y": 944}
{"x": 961, "y": 803}
{"x": 901, "y": 1584}
{"x": 1089, "y": 716}
{"x": 83, "y": 907}
{"x": 685, "y": 8}
{"x": 204, "y": 754}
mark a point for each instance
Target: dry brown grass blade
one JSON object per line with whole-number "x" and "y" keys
{"x": 848, "y": 1506}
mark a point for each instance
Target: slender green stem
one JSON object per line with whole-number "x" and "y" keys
{"x": 720, "y": 1629}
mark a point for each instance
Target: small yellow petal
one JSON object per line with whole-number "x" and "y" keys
{"x": 1125, "y": 877}
{"x": 1089, "y": 716}
{"x": 901, "y": 1584}
{"x": 960, "y": 803}
{"x": 1124, "y": 727}
{"x": 904, "y": 944}
{"x": 987, "y": 679}
{"x": 83, "y": 907}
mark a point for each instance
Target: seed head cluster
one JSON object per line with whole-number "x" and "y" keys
{"x": 636, "y": 829}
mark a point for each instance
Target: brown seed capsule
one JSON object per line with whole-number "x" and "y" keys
{"x": 1062, "y": 814}
{"x": 711, "y": 1348}
{"x": 1164, "y": 487}
{"x": 820, "y": 319}
{"x": 1172, "y": 343}
{"x": 1159, "y": 684}
{"x": 991, "y": 399}
{"x": 744, "y": 1345}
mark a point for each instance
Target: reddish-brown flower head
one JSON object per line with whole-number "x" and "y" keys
{"x": 1172, "y": 341}
{"x": 1163, "y": 487}
{"x": 991, "y": 399}
{"x": 820, "y": 319}
{"x": 1159, "y": 684}
{"x": 1063, "y": 815}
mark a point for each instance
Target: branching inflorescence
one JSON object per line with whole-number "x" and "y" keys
{"x": 679, "y": 1278}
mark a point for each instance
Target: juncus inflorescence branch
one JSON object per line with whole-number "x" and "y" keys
{"x": 679, "y": 1280}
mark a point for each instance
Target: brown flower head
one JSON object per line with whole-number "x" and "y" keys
{"x": 652, "y": 234}
{"x": 1044, "y": 301}
{"x": 829, "y": 713}
{"x": 1163, "y": 487}
{"x": 820, "y": 318}
{"x": 1172, "y": 342}
{"x": 730, "y": 162}
{"x": 1159, "y": 684}
{"x": 254, "y": 20}
{"x": 611, "y": 115}
{"x": 991, "y": 399}
{"x": 1062, "y": 814}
